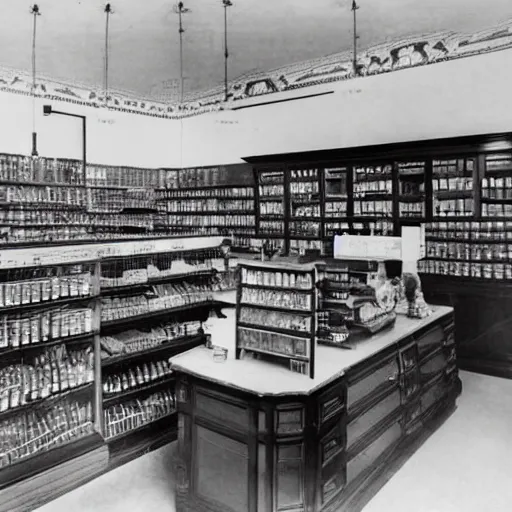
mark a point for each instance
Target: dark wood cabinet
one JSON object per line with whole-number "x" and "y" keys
{"x": 311, "y": 445}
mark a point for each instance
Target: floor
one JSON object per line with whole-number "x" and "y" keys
{"x": 466, "y": 466}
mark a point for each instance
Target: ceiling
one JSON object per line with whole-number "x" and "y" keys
{"x": 263, "y": 34}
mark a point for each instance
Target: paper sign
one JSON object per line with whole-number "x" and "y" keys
{"x": 367, "y": 247}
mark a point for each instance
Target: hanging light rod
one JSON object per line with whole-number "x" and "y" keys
{"x": 354, "y": 9}
{"x": 35, "y": 12}
{"x": 108, "y": 11}
{"x": 226, "y": 4}
{"x": 180, "y": 10}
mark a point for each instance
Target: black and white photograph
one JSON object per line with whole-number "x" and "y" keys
{"x": 255, "y": 256}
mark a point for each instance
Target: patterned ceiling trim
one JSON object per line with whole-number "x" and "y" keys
{"x": 384, "y": 58}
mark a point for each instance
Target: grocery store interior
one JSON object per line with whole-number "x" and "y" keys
{"x": 256, "y": 256}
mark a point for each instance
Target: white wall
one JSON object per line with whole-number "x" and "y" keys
{"x": 114, "y": 138}
{"x": 462, "y": 97}
{"x": 469, "y": 96}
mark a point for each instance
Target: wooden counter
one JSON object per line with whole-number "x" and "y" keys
{"x": 255, "y": 437}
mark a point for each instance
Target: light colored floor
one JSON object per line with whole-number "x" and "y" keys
{"x": 466, "y": 466}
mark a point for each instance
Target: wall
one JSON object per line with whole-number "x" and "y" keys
{"x": 461, "y": 97}
{"x": 114, "y": 138}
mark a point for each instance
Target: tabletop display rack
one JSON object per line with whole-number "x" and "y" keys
{"x": 212, "y": 201}
{"x": 276, "y": 315}
{"x": 49, "y": 346}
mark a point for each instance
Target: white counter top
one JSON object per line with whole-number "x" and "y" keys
{"x": 266, "y": 379}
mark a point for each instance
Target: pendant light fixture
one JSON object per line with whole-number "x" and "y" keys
{"x": 354, "y": 9}
{"x": 35, "y": 12}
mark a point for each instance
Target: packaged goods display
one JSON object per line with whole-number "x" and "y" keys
{"x": 411, "y": 189}
{"x": 23, "y": 169}
{"x": 129, "y": 177}
{"x": 477, "y": 249}
{"x": 271, "y": 190}
{"x": 305, "y": 199}
{"x": 44, "y": 284}
{"x": 128, "y": 416}
{"x": 217, "y": 221}
{"x": 149, "y": 269}
{"x": 37, "y": 431}
{"x": 51, "y": 372}
{"x": 225, "y": 194}
{"x": 50, "y": 196}
{"x": 32, "y": 328}
{"x": 452, "y": 187}
{"x": 231, "y": 206}
{"x": 299, "y": 247}
{"x": 372, "y": 191}
{"x": 276, "y": 311}
{"x": 133, "y": 340}
{"x": 135, "y": 377}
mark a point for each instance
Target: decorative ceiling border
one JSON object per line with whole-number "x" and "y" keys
{"x": 394, "y": 56}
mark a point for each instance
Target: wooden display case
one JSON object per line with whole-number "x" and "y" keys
{"x": 254, "y": 437}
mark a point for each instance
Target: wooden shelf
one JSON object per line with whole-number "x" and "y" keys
{"x": 79, "y": 338}
{"x": 164, "y": 347}
{"x": 40, "y": 462}
{"x": 279, "y": 288}
{"x": 52, "y": 398}
{"x": 140, "y": 428}
{"x": 271, "y": 329}
{"x": 112, "y": 399}
{"x": 69, "y": 301}
{"x": 275, "y": 354}
{"x": 154, "y": 314}
{"x": 273, "y": 308}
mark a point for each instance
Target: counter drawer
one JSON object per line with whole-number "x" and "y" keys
{"x": 433, "y": 365}
{"x": 358, "y": 427}
{"x": 366, "y": 383}
{"x": 430, "y": 340}
{"x": 368, "y": 457}
{"x": 435, "y": 392}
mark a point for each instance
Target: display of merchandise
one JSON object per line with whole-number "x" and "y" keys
{"x": 496, "y": 186}
{"x": 336, "y": 192}
{"x": 50, "y": 373}
{"x": 477, "y": 249}
{"x": 124, "y": 177}
{"x": 148, "y": 269}
{"x": 411, "y": 189}
{"x": 134, "y": 341}
{"x": 276, "y": 314}
{"x": 452, "y": 187}
{"x": 50, "y": 196}
{"x": 128, "y": 416}
{"x": 301, "y": 246}
{"x": 36, "y": 431}
{"x": 373, "y": 191}
{"x": 271, "y": 189}
{"x": 24, "y": 169}
{"x": 217, "y": 221}
{"x": 105, "y": 200}
{"x": 135, "y": 377}
{"x": 336, "y": 228}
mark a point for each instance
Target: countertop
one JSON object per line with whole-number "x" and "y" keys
{"x": 266, "y": 379}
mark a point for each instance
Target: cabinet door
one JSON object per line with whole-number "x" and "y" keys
{"x": 289, "y": 485}
{"x": 433, "y": 365}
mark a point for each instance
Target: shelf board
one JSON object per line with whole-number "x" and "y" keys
{"x": 448, "y": 240}
{"x": 155, "y": 314}
{"x": 49, "y": 399}
{"x": 372, "y": 196}
{"x": 274, "y": 199}
{"x": 109, "y": 400}
{"x": 306, "y": 219}
{"x": 140, "y": 428}
{"x": 47, "y": 304}
{"x": 273, "y": 308}
{"x": 293, "y": 236}
{"x": 275, "y": 354}
{"x": 205, "y": 187}
{"x": 276, "y": 330}
{"x": 46, "y": 344}
{"x": 113, "y": 290}
{"x": 487, "y": 200}
{"x": 165, "y": 346}
{"x": 32, "y": 465}
{"x": 21, "y": 183}
{"x": 358, "y": 177}
{"x": 308, "y": 291}
{"x": 452, "y": 194}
